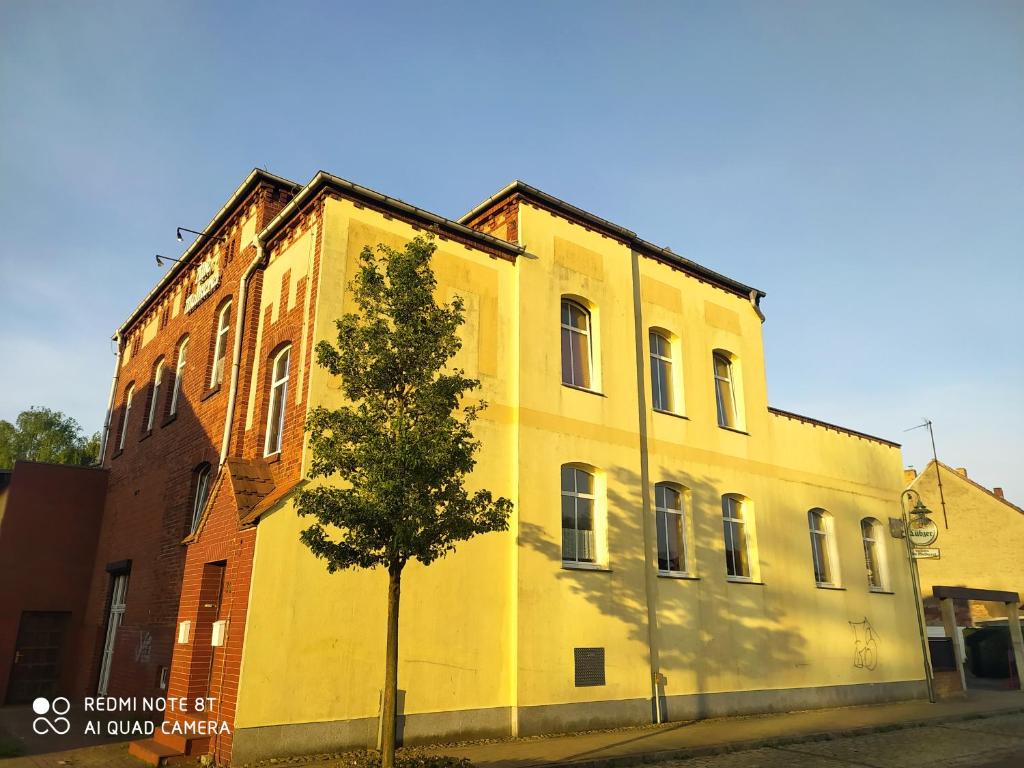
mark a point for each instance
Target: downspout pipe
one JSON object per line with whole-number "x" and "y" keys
{"x": 110, "y": 400}
{"x": 236, "y": 354}
{"x": 755, "y": 301}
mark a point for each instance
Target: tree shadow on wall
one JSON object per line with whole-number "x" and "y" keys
{"x": 714, "y": 636}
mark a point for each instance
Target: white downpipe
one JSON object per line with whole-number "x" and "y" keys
{"x": 236, "y": 354}
{"x": 110, "y": 400}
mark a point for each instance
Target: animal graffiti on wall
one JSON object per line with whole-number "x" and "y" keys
{"x": 865, "y": 645}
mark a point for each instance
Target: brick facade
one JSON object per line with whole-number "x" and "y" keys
{"x": 150, "y": 497}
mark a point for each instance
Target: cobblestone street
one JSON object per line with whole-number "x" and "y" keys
{"x": 993, "y": 741}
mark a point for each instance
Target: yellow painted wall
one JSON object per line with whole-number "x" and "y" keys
{"x": 495, "y": 624}
{"x": 982, "y": 546}
{"x": 454, "y": 624}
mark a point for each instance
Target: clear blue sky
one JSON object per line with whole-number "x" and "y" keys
{"x": 862, "y": 162}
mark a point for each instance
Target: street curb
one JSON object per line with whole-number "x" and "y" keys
{"x": 622, "y": 761}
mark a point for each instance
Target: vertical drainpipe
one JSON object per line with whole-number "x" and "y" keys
{"x": 110, "y": 400}
{"x": 650, "y": 545}
{"x": 236, "y": 354}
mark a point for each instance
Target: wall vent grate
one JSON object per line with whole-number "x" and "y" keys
{"x": 589, "y": 666}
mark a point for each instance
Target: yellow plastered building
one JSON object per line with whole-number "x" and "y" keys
{"x": 678, "y": 548}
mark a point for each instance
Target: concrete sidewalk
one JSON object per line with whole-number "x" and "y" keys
{"x": 677, "y": 740}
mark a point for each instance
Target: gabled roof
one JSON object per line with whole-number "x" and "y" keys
{"x": 251, "y": 181}
{"x": 611, "y": 229}
{"x": 979, "y": 486}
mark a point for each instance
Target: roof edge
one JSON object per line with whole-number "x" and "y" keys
{"x": 629, "y": 236}
{"x": 248, "y": 184}
{"x": 828, "y": 425}
{"x": 323, "y": 180}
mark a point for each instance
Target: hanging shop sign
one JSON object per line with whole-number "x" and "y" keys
{"x": 923, "y": 531}
{"x": 926, "y": 553}
{"x": 207, "y": 280}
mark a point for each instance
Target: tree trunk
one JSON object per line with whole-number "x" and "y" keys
{"x": 389, "y": 705}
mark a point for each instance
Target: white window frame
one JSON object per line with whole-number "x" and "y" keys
{"x": 874, "y": 550}
{"x": 588, "y": 342}
{"x": 202, "y": 494}
{"x": 575, "y": 494}
{"x": 665, "y": 513}
{"x": 730, "y": 524}
{"x": 158, "y": 377}
{"x": 278, "y": 390}
{"x": 179, "y": 376}
{"x": 823, "y": 539}
{"x": 118, "y": 604}
{"x": 220, "y": 347}
{"x": 662, "y": 360}
{"x": 729, "y": 380}
{"x": 124, "y": 419}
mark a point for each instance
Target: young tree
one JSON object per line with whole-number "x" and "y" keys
{"x": 402, "y": 444}
{"x": 40, "y": 434}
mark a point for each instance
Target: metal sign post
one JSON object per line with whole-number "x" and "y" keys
{"x": 923, "y": 531}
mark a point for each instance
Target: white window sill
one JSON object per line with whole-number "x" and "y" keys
{"x": 835, "y": 587}
{"x": 737, "y": 430}
{"x": 677, "y": 575}
{"x": 578, "y": 388}
{"x": 570, "y": 566}
{"x": 671, "y": 413}
{"x": 743, "y": 580}
{"x": 880, "y": 591}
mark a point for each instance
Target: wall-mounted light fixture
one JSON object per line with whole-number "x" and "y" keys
{"x": 161, "y": 259}
{"x": 198, "y": 234}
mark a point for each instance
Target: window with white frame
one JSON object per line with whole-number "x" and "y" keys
{"x": 179, "y": 377}
{"x": 737, "y": 544}
{"x": 276, "y": 406}
{"x": 874, "y": 553}
{"x": 823, "y": 548}
{"x": 578, "y": 501}
{"x": 576, "y": 345}
{"x": 202, "y": 485}
{"x": 725, "y": 391}
{"x": 154, "y": 397}
{"x": 220, "y": 345}
{"x": 671, "y": 527}
{"x": 662, "y": 395}
{"x": 127, "y": 414}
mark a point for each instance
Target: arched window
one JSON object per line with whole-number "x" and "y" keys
{"x": 671, "y": 525}
{"x": 662, "y": 396}
{"x": 275, "y": 408}
{"x": 823, "y": 548}
{"x": 737, "y": 542}
{"x": 127, "y": 413}
{"x": 874, "y": 553}
{"x": 202, "y": 486}
{"x": 725, "y": 394}
{"x": 179, "y": 377}
{"x": 578, "y": 545}
{"x": 576, "y": 345}
{"x": 220, "y": 344}
{"x": 154, "y": 397}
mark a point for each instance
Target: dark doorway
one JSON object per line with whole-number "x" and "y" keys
{"x": 37, "y": 655}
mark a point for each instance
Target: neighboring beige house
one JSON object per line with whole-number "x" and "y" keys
{"x": 979, "y": 577}
{"x": 983, "y": 548}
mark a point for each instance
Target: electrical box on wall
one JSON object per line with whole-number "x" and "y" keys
{"x": 184, "y": 630}
{"x": 220, "y": 631}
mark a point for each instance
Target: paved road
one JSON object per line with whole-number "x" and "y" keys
{"x": 994, "y": 742}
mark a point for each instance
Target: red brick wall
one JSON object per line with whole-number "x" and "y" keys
{"x": 149, "y": 501}
{"x": 198, "y": 669}
{"x": 47, "y": 542}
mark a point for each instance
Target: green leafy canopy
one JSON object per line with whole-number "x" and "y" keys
{"x": 42, "y": 434}
{"x": 402, "y": 443}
